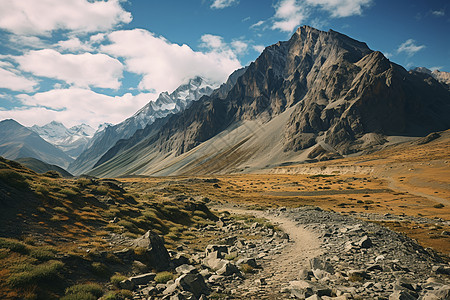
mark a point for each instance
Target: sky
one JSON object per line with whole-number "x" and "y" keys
{"x": 95, "y": 62}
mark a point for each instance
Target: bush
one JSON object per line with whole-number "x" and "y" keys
{"x": 246, "y": 268}
{"x": 68, "y": 192}
{"x": 163, "y": 277}
{"x": 83, "y": 182}
{"x": 79, "y": 296}
{"x": 119, "y": 295}
{"x": 39, "y": 273}
{"x": 89, "y": 288}
{"x": 42, "y": 189}
{"x": 440, "y": 205}
{"x": 42, "y": 253}
{"x": 100, "y": 269}
{"x": 116, "y": 278}
{"x": 52, "y": 174}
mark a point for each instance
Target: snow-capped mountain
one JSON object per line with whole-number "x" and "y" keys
{"x": 164, "y": 105}
{"x": 71, "y": 140}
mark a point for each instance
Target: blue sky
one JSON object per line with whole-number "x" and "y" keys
{"x": 80, "y": 61}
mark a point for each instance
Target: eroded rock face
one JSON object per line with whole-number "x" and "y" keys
{"x": 156, "y": 255}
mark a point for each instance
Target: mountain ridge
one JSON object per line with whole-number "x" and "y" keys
{"x": 343, "y": 96}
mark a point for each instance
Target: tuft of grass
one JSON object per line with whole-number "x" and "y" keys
{"x": 116, "y": 278}
{"x": 35, "y": 274}
{"x": 100, "y": 269}
{"x": 13, "y": 245}
{"x": 68, "y": 192}
{"x": 42, "y": 253}
{"x": 13, "y": 179}
{"x": 93, "y": 289}
{"x": 118, "y": 295}
{"x": 163, "y": 277}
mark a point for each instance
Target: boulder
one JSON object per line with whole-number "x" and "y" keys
{"x": 228, "y": 269}
{"x": 142, "y": 278}
{"x": 365, "y": 242}
{"x": 156, "y": 254}
{"x": 193, "y": 283}
{"x": 186, "y": 269}
{"x": 214, "y": 261}
{"x": 220, "y": 249}
{"x": 301, "y": 289}
{"x": 249, "y": 261}
{"x": 401, "y": 295}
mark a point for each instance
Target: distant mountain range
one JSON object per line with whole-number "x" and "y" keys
{"x": 318, "y": 96}
{"x": 164, "y": 105}
{"x": 72, "y": 140}
{"x": 443, "y": 77}
{"x": 18, "y": 141}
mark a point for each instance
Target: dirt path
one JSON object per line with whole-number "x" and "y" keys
{"x": 281, "y": 268}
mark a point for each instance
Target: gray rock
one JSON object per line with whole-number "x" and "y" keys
{"x": 156, "y": 254}
{"x": 142, "y": 278}
{"x": 126, "y": 284}
{"x": 186, "y": 269}
{"x": 314, "y": 297}
{"x": 193, "y": 283}
{"x": 220, "y": 249}
{"x": 214, "y": 261}
{"x": 249, "y": 261}
{"x": 301, "y": 289}
{"x": 228, "y": 269}
{"x": 401, "y": 295}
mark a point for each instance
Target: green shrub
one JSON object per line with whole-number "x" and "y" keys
{"x": 13, "y": 179}
{"x": 100, "y": 269}
{"x": 116, "y": 278}
{"x": 163, "y": 277}
{"x": 39, "y": 273}
{"x": 90, "y": 288}
{"x": 119, "y": 295}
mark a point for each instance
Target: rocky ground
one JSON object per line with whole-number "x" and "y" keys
{"x": 309, "y": 254}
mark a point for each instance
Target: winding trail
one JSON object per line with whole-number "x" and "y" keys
{"x": 285, "y": 266}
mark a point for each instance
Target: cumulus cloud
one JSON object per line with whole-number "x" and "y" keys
{"x": 409, "y": 47}
{"x": 341, "y": 8}
{"x": 74, "y": 106}
{"x": 289, "y": 14}
{"x": 83, "y": 70}
{"x": 31, "y": 17}
{"x": 164, "y": 65}
{"x": 74, "y": 45}
{"x": 14, "y": 81}
{"x": 219, "y": 4}
{"x": 240, "y": 47}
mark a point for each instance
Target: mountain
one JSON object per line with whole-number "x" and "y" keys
{"x": 41, "y": 167}
{"x": 70, "y": 140}
{"x": 443, "y": 77}
{"x": 164, "y": 105}
{"x": 319, "y": 95}
{"x": 17, "y": 141}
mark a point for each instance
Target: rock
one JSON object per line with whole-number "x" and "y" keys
{"x": 317, "y": 263}
{"x": 249, "y": 261}
{"x": 319, "y": 274}
{"x": 301, "y": 289}
{"x": 156, "y": 254}
{"x": 214, "y": 261}
{"x": 365, "y": 242}
{"x": 314, "y": 297}
{"x": 193, "y": 283}
{"x": 186, "y": 269}
{"x": 374, "y": 267}
{"x": 179, "y": 259}
{"x": 358, "y": 273}
{"x": 139, "y": 267}
{"x": 126, "y": 284}
{"x": 304, "y": 274}
{"x": 441, "y": 270}
{"x": 260, "y": 281}
{"x": 401, "y": 295}
{"x": 443, "y": 292}
{"x": 220, "y": 249}
{"x": 142, "y": 278}
{"x": 228, "y": 269}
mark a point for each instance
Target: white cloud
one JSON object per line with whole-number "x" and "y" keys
{"x": 31, "y": 17}
{"x": 219, "y": 4}
{"x": 258, "y": 48}
{"x": 96, "y": 70}
{"x": 212, "y": 42}
{"x": 74, "y": 45}
{"x": 74, "y": 106}
{"x": 409, "y": 47}
{"x": 257, "y": 24}
{"x": 240, "y": 47}
{"x": 20, "y": 42}
{"x": 163, "y": 65}
{"x": 10, "y": 79}
{"x": 341, "y": 8}
{"x": 289, "y": 14}
{"x": 438, "y": 13}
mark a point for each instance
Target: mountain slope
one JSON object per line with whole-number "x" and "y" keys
{"x": 166, "y": 104}
{"x": 41, "y": 167}
{"x": 318, "y": 95}
{"x": 17, "y": 141}
{"x": 70, "y": 140}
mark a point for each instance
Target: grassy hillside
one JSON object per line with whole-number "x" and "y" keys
{"x": 56, "y": 232}
{"x": 41, "y": 167}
